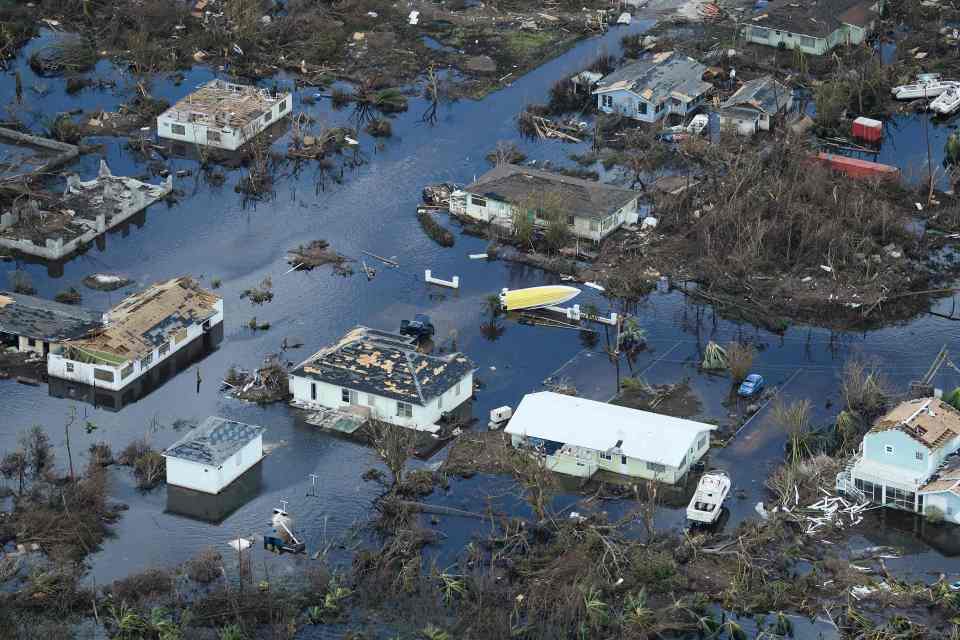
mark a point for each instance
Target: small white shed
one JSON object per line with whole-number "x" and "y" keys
{"x": 214, "y": 454}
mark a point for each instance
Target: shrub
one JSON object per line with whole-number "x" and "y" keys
{"x": 133, "y": 451}
{"x": 205, "y": 566}
{"x": 440, "y": 234}
{"x": 101, "y": 454}
{"x": 139, "y": 586}
{"x": 150, "y": 470}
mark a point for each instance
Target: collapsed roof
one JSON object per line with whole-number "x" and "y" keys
{"x": 223, "y": 104}
{"x": 763, "y": 94}
{"x": 143, "y": 321}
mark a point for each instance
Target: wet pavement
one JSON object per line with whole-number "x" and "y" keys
{"x": 211, "y": 233}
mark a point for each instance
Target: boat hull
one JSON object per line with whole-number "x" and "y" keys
{"x": 537, "y": 297}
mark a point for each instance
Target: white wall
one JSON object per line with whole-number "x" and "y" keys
{"x": 383, "y": 408}
{"x": 211, "y": 479}
{"x": 230, "y": 138}
{"x": 58, "y": 366}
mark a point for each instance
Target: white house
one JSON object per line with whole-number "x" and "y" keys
{"x": 903, "y": 459}
{"x": 755, "y": 105}
{"x": 141, "y": 333}
{"x": 650, "y": 89}
{"x": 41, "y": 326}
{"x": 222, "y": 114}
{"x": 382, "y": 374}
{"x": 213, "y": 455}
{"x": 580, "y": 437}
{"x": 591, "y": 210}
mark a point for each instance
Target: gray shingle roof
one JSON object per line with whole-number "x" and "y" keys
{"x": 763, "y": 94}
{"x": 214, "y": 441}
{"x": 657, "y": 78}
{"x": 582, "y": 198}
{"x": 42, "y": 319}
{"x": 387, "y": 365}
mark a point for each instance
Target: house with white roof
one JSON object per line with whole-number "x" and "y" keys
{"x": 907, "y": 459}
{"x": 580, "y": 437}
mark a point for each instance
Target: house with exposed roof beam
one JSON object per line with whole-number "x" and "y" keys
{"x": 907, "y": 457}
{"x": 382, "y": 375}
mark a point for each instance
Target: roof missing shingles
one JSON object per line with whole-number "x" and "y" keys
{"x": 45, "y": 320}
{"x": 763, "y": 94}
{"x": 385, "y": 364}
{"x": 929, "y": 421}
{"x": 658, "y": 78}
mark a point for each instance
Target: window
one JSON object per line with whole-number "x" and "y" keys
{"x": 642, "y": 107}
{"x": 349, "y": 396}
{"x": 594, "y": 224}
{"x": 478, "y": 201}
{"x": 440, "y": 402}
{"x": 126, "y": 371}
{"x": 808, "y": 42}
{"x": 872, "y": 492}
{"x": 888, "y": 448}
{"x": 69, "y": 367}
{"x": 702, "y": 442}
{"x": 623, "y": 459}
{"x": 456, "y": 389}
{"x": 656, "y": 467}
{"x": 313, "y": 390}
{"x": 759, "y": 33}
{"x": 404, "y": 410}
{"x": 266, "y": 117}
{"x": 919, "y": 455}
{"x": 178, "y": 129}
{"x": 570, "y": 220}
{"x": 606, "y": 101}
{"x": 900, "y": 499}
{"x": 103, "y": 374}
{"x": 146, "y": 360}
{"x": 605, "y": 456}
{"x": 164, "y": 349}
{"x": 31, "y": 342}
{"x": 213, "y": 136}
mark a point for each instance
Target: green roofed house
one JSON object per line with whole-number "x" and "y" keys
{"x": 813, "y": 27}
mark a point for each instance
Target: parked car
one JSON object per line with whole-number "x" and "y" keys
{"x": 955, "y": 586}
{"x": 751, "y": 386}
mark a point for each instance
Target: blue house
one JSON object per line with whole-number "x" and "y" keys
{"x": 905, "y": 460}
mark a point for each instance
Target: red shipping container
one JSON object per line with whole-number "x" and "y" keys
{"x": 856, "y": 168}
{"x": 868, "y": 130}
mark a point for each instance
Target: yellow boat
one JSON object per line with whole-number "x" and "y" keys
{"x": 537, "y": 297}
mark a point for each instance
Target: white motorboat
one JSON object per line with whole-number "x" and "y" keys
{"x": 707, "y": 500}
{"x": 926, "y": 86}
{"x": 947, "y": 102}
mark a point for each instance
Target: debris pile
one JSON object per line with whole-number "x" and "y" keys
{"x": 265, "y": 385}
{"x": 317, "y": 253}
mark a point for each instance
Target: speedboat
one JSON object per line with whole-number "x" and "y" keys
{"x": 926, "y": 86}
{"x": 948, "y": 102}
{"x": 707, "y": 500}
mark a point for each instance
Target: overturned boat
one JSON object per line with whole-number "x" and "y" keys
{"x": 537, "y": 297}
{"x": 707, "y": 500}
{"x": 947, "y": 103}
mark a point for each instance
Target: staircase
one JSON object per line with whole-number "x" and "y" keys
{"x": 845, "y": 483}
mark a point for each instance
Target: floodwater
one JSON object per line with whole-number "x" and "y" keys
{"x": 211, "y": 234}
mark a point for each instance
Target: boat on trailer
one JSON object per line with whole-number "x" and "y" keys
{"x": 947, "y": 103}
{"x": 707, "y": 501}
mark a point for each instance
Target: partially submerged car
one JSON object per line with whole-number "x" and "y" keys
{"x": 751, "y": 386}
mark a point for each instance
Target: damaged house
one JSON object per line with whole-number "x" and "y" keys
{"x": 814, "y": 27}
{"x": 592, "y": 210}
{"x": 381, "y": 375}
{"x": 143, "y": 337}
{"x": 214, "y": 455}
{"x": 651, "y": 89}
{"x": 223, "y": 115}
{"x": 87, "y": 210}
{"x": 908, "y": 460}
{"x": 41, "y": 326}
{"x": 755, "y": 106}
